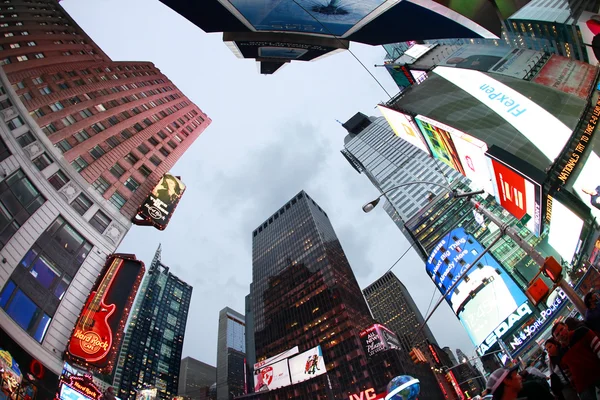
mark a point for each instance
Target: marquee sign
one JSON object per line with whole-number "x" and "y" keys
{"x": 80, "y": 384}
{"x": 158, "y": 208}
{"x": 98, "y": 333}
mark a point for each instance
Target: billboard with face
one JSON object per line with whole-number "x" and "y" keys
{"x": 404, "y": 127}
{"x": 307, "y": 365}
{"x": 272, "y": 376}
{"x": 158, "y": 208}
{"x": 440, "y": 143}
{"x": 483, "y": 299}
{"x": 589, "y": 26}
{"x": 568, "y": 76}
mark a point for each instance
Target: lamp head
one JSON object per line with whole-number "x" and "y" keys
{"x": 371, "y": 205}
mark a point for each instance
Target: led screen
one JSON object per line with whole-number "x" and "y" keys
{"x": 440, "y": 143}
{"x": 68, "y": 393}
{"x": 587, "y": 184}
{"x": 162, "y": 201}
{"x": 307, "y": 365}
{"x": 486, "y": 298}
{"x": 565, "y": 229}
{"x": 518, "y": 195}
{"x": 589, "y": 26}
{"x": 540, "y": 127}
{"x": 404, "y": 127}
{"x": 568, "y": 76}
{"x": 272, "y": 376}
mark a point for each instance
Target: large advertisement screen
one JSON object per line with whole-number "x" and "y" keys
{"x": 589, "y": 26}
{"x": 587, "y": 184}
{"x": 307, "y": 365}
{"x": 483, "y": 299}
{"x": 272, "y": 376}
{"x": 404, "y": 127}
{"x": 565, "y": 230}
{"x": 518, "y": 194}
{"x": 462, "y": 149}
{"x": 568, "y": 76}
{"x": 160, "y": 204}
{"x": 541, "y": 128}
{"x": 281, "y": 356}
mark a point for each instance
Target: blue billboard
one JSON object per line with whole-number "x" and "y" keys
{"x": 482, "y": 299}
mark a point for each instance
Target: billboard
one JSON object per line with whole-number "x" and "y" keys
{"x": 402, "y": 76}
{"x": 440, "y": 143}
{"x": 307, "y": 365}
{"x": 484, "y": 298}
{"x": 469, "y": 151}
{"x": 146, "y": 394}
{"x": 96, "y": 338}
{"x": 565, "y": 230}
{"x": 517, "y": 193}
{"x": 587, "y": 184}
{"x": 568, "y": 76}
{"x": 271, "y": 376}
{"x": 281, "y": 356}
{"x": 500, "y": 60}
{"x": 78, "y": 387}
{"x": 541, "y": 128}
{"x": 589, "y": 26}
{"x": 378, "y": 338}
{"x": 404, "y": 127}
{"x": 158, "y": 208}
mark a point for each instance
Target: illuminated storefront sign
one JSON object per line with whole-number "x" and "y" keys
{"x": 158, "y": 208}
{"x": 98, "y": 333}
{"x": 78, "y": 387}
{"x": 504, "y": 327}
{"x": 368, "y": 394}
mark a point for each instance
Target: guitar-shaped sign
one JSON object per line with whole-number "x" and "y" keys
{"x": 92, "y": 337}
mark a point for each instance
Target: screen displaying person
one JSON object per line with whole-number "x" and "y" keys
{"x": 594, "y": 196}
{"x": 169, "y": 189}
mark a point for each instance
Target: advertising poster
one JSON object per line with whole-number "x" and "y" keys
{"x": 589, "y": 282}
{"x": 322, "y": 17}
{"x": 477, "y": 57}
{"x": 540, "y": 127}
{"x": 372, "y": 341}
{"x": 589, "y": 26}
{"x": 307, "y": 365}
{"x": 488, "y": 295}
{"x": 272, "y": 376}
{"x": 517, "y": 194}
{"x": 440, "y": 143}
{"x": 281, "y": 356}
{"x": 565, "y": 230}
{"x": 587, "y": 184}
{"x": 10, "y": 374}
{"x": 404, "y": 127}
{"x": 162, "y": 201}
{"x": 568, "y": 76}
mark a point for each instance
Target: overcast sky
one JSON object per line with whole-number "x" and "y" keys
{"x": 271, "y": 137}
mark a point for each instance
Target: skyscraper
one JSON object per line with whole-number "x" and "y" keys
{"x": 195, "y": 378}
{"x": 231, "y": 354}
{"x": 304, "y": 294}
{"x": 393, "y": 306}
{"x": 77, "y": 158}
{"x": 151, "y": 352}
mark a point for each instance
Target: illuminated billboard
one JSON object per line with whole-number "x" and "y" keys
{"x": 404, "y": 127}
{"x": 568, "y": 76}
{"x": 281, "y": 356}
{"x": 518, "y": 193}
{"x": 483, "y": 299}
{"x": 589, "y": 26}
{"x": 378, "y": 338}
{"x": 78, "y": 387}
{"x": 440, "y": 143}
{"x": 272, "y": 376}
{"x": 541, "y": 128}
{"x": 307, "y": 365}
{"x": 565, "y": 230}
{"x": 160, "y": 204}
{"x": 468, "y": 152}
{"x": 96, "y": 338}
{"x": 587, "y": 184}
{"x": 146, "y": 394}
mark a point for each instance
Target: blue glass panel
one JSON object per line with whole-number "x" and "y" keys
{"x": 6, "y": 292}
{"x": 21, "y": 309}
{"x": 40, "y": 331}
{"x": 44, "y": 272}
{"x": 60, "y": 289}
{"x": 28, "y": 259}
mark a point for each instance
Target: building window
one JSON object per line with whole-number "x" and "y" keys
{"x": 113, "y": 142}
{"x": 100, "y": 221}
{"x": 101, "y": 185}
{"x": 4, "y": 152}
{"x": 42, "y": 161}
{"x": 132, "y": 184}
{"x": 19, "y": 85}
{"x": 22, "y": 58}
{"x": 81, "y": 204}
{"x": 85, "y": 113}
{"x": 96, "y": 152}
{"x": 153, "y": 141}
{"x": 126, "y": 134}
{"x": 58, "y": 180}
{"x": 39, "y": 55}
{"x": 98, "y": 127}
{"x": 24, "y": 311}
{"x": 26, "y": 96}
{"x": 100, "y": 107}
{"x": 155, "y": 160}
{"x": 162, "y": 135}
{"x": 131, "y": 158}
{"x": 38, "y": 80}
{"x": 45, "y": 90}
{"x": 63, "y": 146}
{"x": 172, "y": 144}
{"x": 79, "y": 164}
{"x": 117, "y": 200}
{"x": 31, "y": 44}
{"x": 164, "y": 151}
{"x": 20, "y": 199}
{"x": 143, "y": 148}
{"x": 25, "y": 139}
{"x": 81, "y": 136}
{"x": 68, "y": 120}
{"x": 145, "y": 171}
{"x": 14, "y": 123}
{"x": 117, "y": 170}
{"x": 49, "y": 129}
{"x": 63, "y": 85}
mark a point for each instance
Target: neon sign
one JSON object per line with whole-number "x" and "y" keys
{"x": 368, "y": 394}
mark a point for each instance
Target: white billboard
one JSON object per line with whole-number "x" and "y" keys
{"x": 587, "y": 185}
{"x": 565, "y": 230}
{"x": 307, "y": 365}
{"x": 404, "y": 127}
{"x": 271, "y": 376}
{"x": 543, "y": 129}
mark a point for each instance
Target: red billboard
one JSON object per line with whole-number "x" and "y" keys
{"x": 97, "y": 337}
{"x": 568, "y": 76}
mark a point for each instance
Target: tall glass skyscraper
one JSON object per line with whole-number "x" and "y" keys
{"x": 151, "y": 352}
{"x": 231, "y": 354}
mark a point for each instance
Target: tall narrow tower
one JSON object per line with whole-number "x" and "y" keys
{"x": 151, "y": 354}
{"x": 231, "y": 354}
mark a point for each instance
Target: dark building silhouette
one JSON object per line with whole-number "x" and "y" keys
{"x": 151, "y": 351}
{"x": 195, "y": 378}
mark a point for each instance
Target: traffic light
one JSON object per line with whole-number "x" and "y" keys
{"x": 552, "y": 269}
{"x": 537, "y": 291}
{"x": 417, "y": 356}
